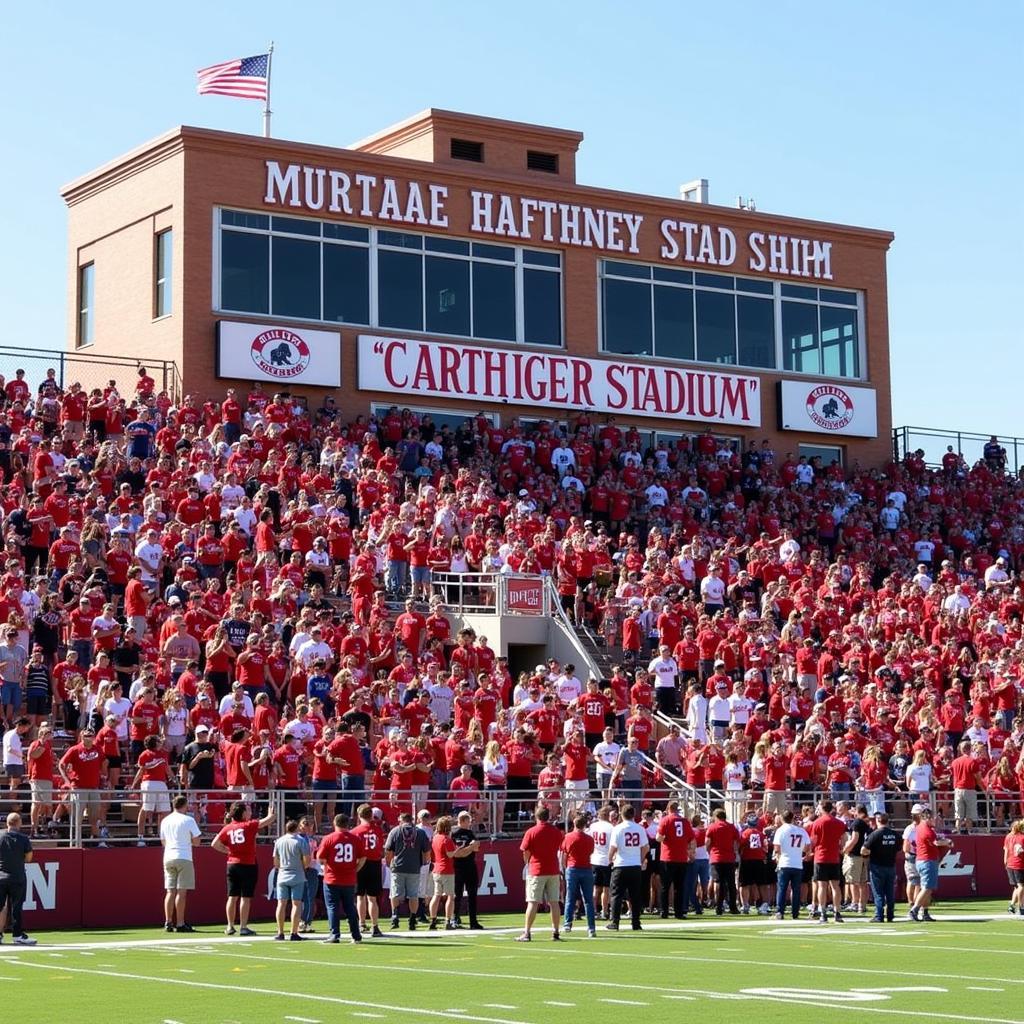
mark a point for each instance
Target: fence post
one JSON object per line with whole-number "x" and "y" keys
{"x": 61, "y": 371}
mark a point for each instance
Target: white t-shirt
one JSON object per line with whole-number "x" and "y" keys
{"x": 629, "y": 840}
{"x": 606, "y": 754}
{"x": 791, "y": 841}
{"x": 734, "y": 777}
{"x": 666, "y": 671}
{"x": 568, "y": 688}
{"x": 176, "y": 832}
{"x": 120, "y": 709}
{"x": 712, "y": 589}
{"x": 13, "y": 748}
{"x": 919, "y": 778}
{"x": 149, "y": 553}
{"x": 740, "y": 707}
{"x": 601, "y": 833}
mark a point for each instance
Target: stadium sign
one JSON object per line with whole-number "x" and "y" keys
{"x": 838, "y": 410}
{"x": 555, "y": 383}
{"x": 531, "y": 219}
{"x": 281, "y": 355}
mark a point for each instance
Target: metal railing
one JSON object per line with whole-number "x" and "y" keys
{"x": 934, "y": 442}
{"x": 562, "y": 621}
{"x": 484, "y": 593}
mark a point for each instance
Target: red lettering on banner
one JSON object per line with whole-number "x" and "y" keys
{"x": 612, "y": 376}
{"x": 734, "y": 396}
{"x": 517, "y": 376}
{"x": 581, "y": 376}
{"x": 557, "y": 393}
{"x": 389, "y": 369}
{"x": 706, "y": 397}
{"x": 424, "y": 377}
{"x": 448, "y": 371}
{"x": 534, "y": 389}
{"x": 494, "y": 364}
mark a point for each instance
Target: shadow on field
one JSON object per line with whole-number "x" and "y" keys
{"x": 676, "y": 937}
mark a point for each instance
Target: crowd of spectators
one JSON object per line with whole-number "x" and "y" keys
{"x": 209, "y": 594}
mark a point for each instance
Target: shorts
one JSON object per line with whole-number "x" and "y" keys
{"x": 117, "y": 761}
{"x": 911, "y": 873}
{"x": 602, "y": 875}
{"x": 405, "y": 885}
{"x": 155, "y": 797}
{"x": 242, "y": 880}
{"x": 291, "y": 891}
{"x": 826, "y": 872}
{"x": 775, "y": 801}
{"x": 420, "y": 574}
{"x": 808, "y": 873}
{"x": 965, "y": 804}
{"x": 14, "y": 771}
{"x": 542, "y": 889}
{"x": 1015, "y": 875}
{"x": 444, "y": 885}
{"x": 10, "y": 693}
{"x": 929, "y": 872}
{"x": 855, "y": 869}
{"x": 751, "y": 872}
{"x": 368, "y": 879}
{"x": 42, "y": 791}
{"x": 37, "y": 704}
{"x": 179, "y": 874}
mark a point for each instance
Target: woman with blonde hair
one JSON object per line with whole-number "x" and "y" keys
{"x": 495, "y": 767}
{"x": 919, "y": 779}
{"x": 175, "y": 724}
{"x": 1013, "y": 860}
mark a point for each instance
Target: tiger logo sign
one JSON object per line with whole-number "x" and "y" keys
{"x": 280, "y": 353}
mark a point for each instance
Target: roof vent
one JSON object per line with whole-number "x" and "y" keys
{"x": 536, "y": 161}
{"x": 463, "y": 149}
{"x": 695, "y": 191}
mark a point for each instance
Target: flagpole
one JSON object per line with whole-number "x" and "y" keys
{"x": 266, "y": 107}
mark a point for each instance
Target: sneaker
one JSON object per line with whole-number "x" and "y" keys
{"x": 476, "y": 926}
{"x": 555, "y": 937}
{"x": 355, "y": 942}
{"x": 778, "y": 917}
{"x": 141, "y": 842}
{"x": 839, "y": 918}
{"x": 591, "y": 934}
{"x": 247, "y": 931}
{"x": 823, "y": 919}
{"x": 638, "y": 927}
{"x": 229, "y": 930}
{"x": 412, "y": 924}
{"x": 104, "y": 832}
{"x": 927, "y": 917}
{"x": 525, "y": 937}
{"x": 394, "y": 923}
{"x": 876, "y": 920}
{"x": 168, "y": 927}
{"x": 294, "y": 937}
{"x": 1, "y": 938}
{"x": 433, "y": 926}
{"x": 377, "y": 933}
{"x": 23, "y": 940}
{"x": 912, "y": 915}
{"x": 611, "y": 927}
{"x": 185, "y": 928}
{"x": 279, "y": 938}
{"x": 331, "y": 940}
{"x": 450, "y": 926}
{"x": 365, "y": 926}
{"x": 567, "y": 926}
{"x": 102, "y": 846}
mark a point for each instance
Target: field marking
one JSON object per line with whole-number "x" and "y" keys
{"x": 499, "y": 1006}
{"x": 691, "y": 999}
{"x": 982, "y": 988}
{"x": 624, "y": 1002}
{"x": 552, "y": 1002}
{"x": 313, "y": 997}
{"x": 832, "y": 937}
{"x": 378, "y": 1016}
{"x": 304, "y": 1020}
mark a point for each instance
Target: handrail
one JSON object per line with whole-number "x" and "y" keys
{"x": 968, "y": 444}
{"x": 557, "y": 613}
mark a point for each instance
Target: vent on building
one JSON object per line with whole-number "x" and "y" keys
{"x": 542, "y": 161}
{"x": 463, "y": 149}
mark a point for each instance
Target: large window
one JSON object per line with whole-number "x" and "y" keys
{"x": 729, "y": 321}
{"x": 339, "y": 273}
{"x": 86, "y": 298}
{"x": 162, "y": 274}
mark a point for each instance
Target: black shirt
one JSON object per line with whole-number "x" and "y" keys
{"x": 462, "y": 837}
{"x": 237, "y": 631}
{"x": 884, "y": 843}
{"x": 859, "y": 828}
{"x": 200, "y": 777}
{"x": 14, "y": 848}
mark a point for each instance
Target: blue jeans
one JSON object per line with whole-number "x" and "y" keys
{"x": 700, "y": 871}
{"x": 579, "y": 882}
{"x": 343, "y": 898}
{"x": 309, "y": 894}
{"x": 883, "y": 890}
{"x": 354, "y": 789}
{"x": 84, "y": 650}
{"x": 398, "y": 572}
{"x": 791, "y": 877}
{"x": 840, "y": 790}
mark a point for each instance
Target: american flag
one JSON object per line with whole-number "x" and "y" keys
{"x": 245, "y": 77}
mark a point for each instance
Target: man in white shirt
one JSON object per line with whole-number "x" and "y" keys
{"x": 922, "y": 578}
{"x": 995, "y": 575}
{"x": 245, "y": 516}
{"x": 178, "y": 834}
{"x": 441, "y": 698}
{"x": 958, "y": 602}
{"x": 719, "y": 711}
{"x": 889, "y": 517}
{"x": 789, "y": 548}
{"x": 898, "y": 498}
{"x": 792, "y": 845}
{"x": 712, "y": 591}
{"x": 150, "y": 555}
{"x": 563, "y": 458}
{"x": 601, "y": 832}
{"x": 568, "y": 686}
{"x": 628, "y": 856}
{"x": 314, "y": 648}
{"x": 237, "y": 694}
{"x": 665, "y": 670}
{"x": 657, "y": 496}
{"x": 697, "y": 714}
{"x": 740, "y": 706}
{"x": 606, "y": 755}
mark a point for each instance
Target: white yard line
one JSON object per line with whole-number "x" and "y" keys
{"x": 982, "y": 988}
{"x": 303, "y": 1020}
{"x": 624, "y": 1002}
{"x": 833, "y": 937}
{"x": 553, "y": 1002}
{"x": 280, "y": 993}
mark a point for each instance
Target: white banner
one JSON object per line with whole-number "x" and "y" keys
{"x": 283, "y": 355}
{"x": 836, "y": 409}
{"x": 554, "y": 382}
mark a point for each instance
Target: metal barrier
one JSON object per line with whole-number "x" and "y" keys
{"x": 934, "y": 442}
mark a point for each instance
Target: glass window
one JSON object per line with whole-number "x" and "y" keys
{"x": 627, "y": 317}
{"x": 636, "y": 270}
{"x": 797, "y": 291}
{"x": 834, "y": 295}
{"x": 673, "y": 323}
{"x": 400, "y": 239}
{"x": 400, "y": 290}
{"x": 716, "y": 327}
{"x": 541, "y": 258}
{"x": 800, "y": 338}
{"x": 346, "y": 284}
{"x": 162, "y": 296}
{"x": 840, "y": 352}
{"x": 678, "y": 276}
{"x": 296, "y": 278}
{"x": 240, "y": 219}
{"x": 86, "y": 297}
{"x": 448, "y": 245}
{"x": 827, "y": 453}
{"x": 295, "y": 226}
{"x": 346, "y": 232}
{"x": 494, "y": 252}
{"x": 245, "y": 272}
{"x": 747, "y": 284}
{"x": 715, "y": 281}
{"x": 542, "y": 307}
{"x": 755, "y": 328}
{"x": 494, "y": 301}
{"x": 447, "y": 291}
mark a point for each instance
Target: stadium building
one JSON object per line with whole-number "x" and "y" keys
{"x": 453, "y": 264}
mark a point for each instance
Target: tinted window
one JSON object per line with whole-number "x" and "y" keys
{"x": 839, "y": 349}
{"x": 627, "y": 317}
{"x": 542, "y": 307}
{"x": 716, "y": 327}
{"x": 400, "y": 290}
{"x": 346, "y": 284}
{"x": 239, "y": 219}
{"x": 245, "y": 272}
{"x": 755, "y": 322}
{"x": 294, "y": 226}
{"x": 447, "y": 284}
{"x": 800, "y": 338}
{"x": 673, "y": 323}
{"x": 494, "y": 301}
{"x": 296, "y": 278}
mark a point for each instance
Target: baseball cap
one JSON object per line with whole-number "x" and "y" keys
{"x": 918, "y": 809}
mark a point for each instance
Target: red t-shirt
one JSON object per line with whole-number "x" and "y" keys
{"x": 827, "y": 833}
{"x": 753, "y": 845}
{"x": 441, "y": 850}
{"x": 926, "y": 845}
{"x": 675, "y": 834}
{"x": 724, "y": 837}
{"x": 542, "y": 843}
{"x": 340, "y": 853}
{"x": 1013, "y": 844}
{"x": 373, "y": 839}
{"x": 85, "y": 765}
{"x": 240, "y": 839}
{"x": 154, "y": 765}
{"x": 577, "y": 847}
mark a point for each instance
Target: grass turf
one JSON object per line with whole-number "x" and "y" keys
{"x": 965, "y": 967}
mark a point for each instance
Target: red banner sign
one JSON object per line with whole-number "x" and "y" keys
{"x": 524, "y": 595}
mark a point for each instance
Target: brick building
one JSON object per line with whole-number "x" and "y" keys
{"x": 452, "y": 264}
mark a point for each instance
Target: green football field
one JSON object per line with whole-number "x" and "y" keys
{"x": 965, "y": 967}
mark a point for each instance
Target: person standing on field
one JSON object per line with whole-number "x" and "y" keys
{"x": 577, "y": 849}
{"x": 237, "y": 839}
{"x": 15, "y": 853}
{"x": 341, "y": 854}
{"x": 792, "y": 847}
{"x": 291, "y": 858}
{"x": 628, "y": 854}
{"x": 879, "y": 850}
{"x": 930, "y": 850}
{"x": 178, "y": 834}
{"x": 828, "y": 835}
{"x": 722, "y": 841}
{"x": 540, "y": 847}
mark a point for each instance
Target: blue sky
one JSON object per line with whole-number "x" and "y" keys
{"x": 900, "y": 116}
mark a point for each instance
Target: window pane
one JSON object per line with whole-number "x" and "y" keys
{"x": 673, "y": 323}
{"x": 86, "y": 288}
{"x": 628, "y": 270}
{"x": 400, "y": 239}
{"x": 755, "y": 321}
{"x": 347, "y": 232}
{"x": 542, "y": 307}
{"x": 716, "y": 327}
{"x": 746, "y": 284}
{"x": 245, "y": 272}
{"x": 296, "y": 277}
{"x": 239, "y": 219}
{"x": 826, "y": 452}
{"x": 627, "y": 317}
{"x": 539, "y": 258}
{"x": 400, "y": 290}
{"x": 163, "y": 273}
{"x": 346, "y": 284}
{"x": 678, "y": 276}
{"x": 839, "y": 349}
{"x": 494, "y": 301}
{"x": 294, "y": 226}
{"x": 448, "y": 245}
{"x": 448, "y": 296}
{"x": 715, "y": 281}
{"x": 494, "y": 252}
{"x": 797, "y": 291}
{"x": 832, "y": 295}
{"x": 800, "y": 338}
